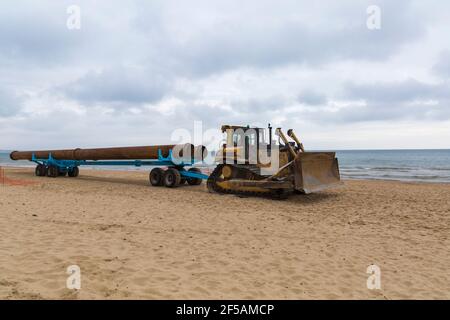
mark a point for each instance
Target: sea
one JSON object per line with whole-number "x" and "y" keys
{"x": 403, "y": 165}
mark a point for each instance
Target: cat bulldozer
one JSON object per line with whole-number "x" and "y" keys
{"x": 251, "y": 163}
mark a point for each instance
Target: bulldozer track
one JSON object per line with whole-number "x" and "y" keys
{"x": 212, "y": 185}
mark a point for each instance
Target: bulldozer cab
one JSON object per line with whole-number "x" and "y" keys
{"x": 242, "y": 144}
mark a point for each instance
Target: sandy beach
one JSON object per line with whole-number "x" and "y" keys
{"x": 133, "y": 241}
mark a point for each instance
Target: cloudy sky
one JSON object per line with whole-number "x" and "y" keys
{"x": 137, "y": 70}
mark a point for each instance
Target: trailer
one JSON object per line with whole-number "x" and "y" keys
{"x": 176, "y": 173}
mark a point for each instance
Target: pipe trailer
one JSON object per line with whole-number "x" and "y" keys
{"x": 67, "y": 162}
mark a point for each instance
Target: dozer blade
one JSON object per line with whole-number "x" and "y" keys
{"x": 316, "y": 171}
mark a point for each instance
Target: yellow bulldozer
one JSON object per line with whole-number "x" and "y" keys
{"x": 251, "y": 162}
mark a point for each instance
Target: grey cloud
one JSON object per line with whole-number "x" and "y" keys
{"x": 395, "y": 92}
{"x": 10, "y": 103}
{"x": 312, "y": 98}
{"x": 119, "y": 85}
{"x": 242, "y": 112}
{"x": 382, "y": 112}
{"x": 35, "y": 33}
{"x": 442, "y": 67}
{"x": 183, "y": 46}
{"x": 259, "y": 105}
{"x": 227, "y": 39}
{"x": 234, "y": 41}
{"x": 144, "y": 50}
{"x": 406, "y": 100}
{"x": 378, "y": 112}
{"x": 386, "y": 101}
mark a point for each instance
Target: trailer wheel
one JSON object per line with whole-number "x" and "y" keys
{"x": 74, "y": 172}
{"x": 195, "y": 181}
{"x": 52, "y": 171}
{"x": 172, "y": 178}
{"x": 41, "y": 170}
{"x": 156, "y": 177}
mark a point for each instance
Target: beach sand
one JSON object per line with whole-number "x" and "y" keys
{"x": 133, "y": 241}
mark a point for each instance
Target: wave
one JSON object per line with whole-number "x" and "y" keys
{"x": 395, "y": 175}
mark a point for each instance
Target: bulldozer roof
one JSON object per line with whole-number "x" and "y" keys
{"x": 226, "y": 127}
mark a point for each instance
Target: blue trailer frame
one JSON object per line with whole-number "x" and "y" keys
{"x": 65, "y": 166}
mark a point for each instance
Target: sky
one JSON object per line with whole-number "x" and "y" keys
{"x": 138, "y": 72}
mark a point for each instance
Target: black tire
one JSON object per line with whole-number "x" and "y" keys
{"x": 74, "y": 172}
{"x": 41, "y": 170}
{"x": 172, "y": 178}
{"x": 156, "y": 177}
{"x": 194, "y": 181}
{"x": 52, "y": 171}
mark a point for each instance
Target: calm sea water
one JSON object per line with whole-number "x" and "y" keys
{"x": 406, "y": 165}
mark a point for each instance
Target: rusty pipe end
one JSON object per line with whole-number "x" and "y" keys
{"x": 11, "y": 155}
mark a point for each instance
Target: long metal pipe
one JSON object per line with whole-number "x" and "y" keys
{"x": 121, "y": 153}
